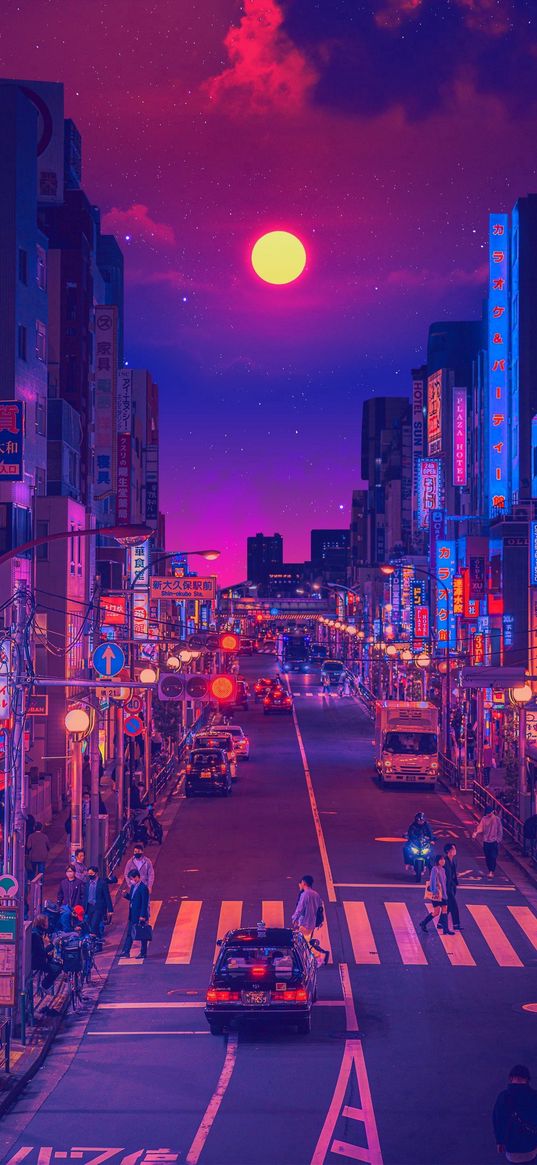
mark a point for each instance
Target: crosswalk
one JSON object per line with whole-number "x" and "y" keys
{"x": 377, "y": 933}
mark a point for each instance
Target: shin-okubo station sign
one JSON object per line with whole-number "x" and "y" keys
{"x": 188, "y": 587}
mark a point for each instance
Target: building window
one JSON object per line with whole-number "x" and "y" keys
{"x": 41, "y": 531}
{"x": 40, "y": 483}
{"x": 22, "y": 342}
{"x": 23, "y": 265}
{"x": 41, "y": 274}
{"x": 41, "y": 341}
{"x": 41, "y": 417}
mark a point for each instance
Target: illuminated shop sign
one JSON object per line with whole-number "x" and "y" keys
{"x": 429, "y": 483}
{"x": 460, "y": 436}
{"x": 498, "y": 364}
{"x": 445, "y": 573}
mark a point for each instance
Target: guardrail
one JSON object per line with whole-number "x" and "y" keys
{"x": 512, "y": 825}
{"x": 5, "y": 1035}
{"x": 115, "y": 852}
{"x": 367, "y": 697}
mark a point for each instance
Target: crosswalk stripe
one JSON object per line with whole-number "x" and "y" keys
{"x": 494, "y": 936}
{"x": 527, "y": 921}
{"x": 363, "y": 943}
{"x": 154, "y": 911}
{"x": 230, "y": 918}
{"x": 410, "y": 948}
{"x": 272, "y": 913}
{"x": 456, "y": 949}
{"x": 184, "y": 932}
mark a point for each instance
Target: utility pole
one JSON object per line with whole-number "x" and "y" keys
{"x": 18, "y": 759}
{"x": 95, "y": 841}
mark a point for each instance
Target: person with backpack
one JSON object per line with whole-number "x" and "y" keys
{"x": 309, "y": 915}
{"x": 515, "y": 1117}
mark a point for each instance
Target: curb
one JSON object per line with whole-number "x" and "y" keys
{"x": 19, "y": 1082}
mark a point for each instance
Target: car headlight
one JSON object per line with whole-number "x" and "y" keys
{"x": 414, "y": 849}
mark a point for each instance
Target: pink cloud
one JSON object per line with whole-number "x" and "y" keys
{"x": 266, "y": 70}
{"x": 437, "y": 281}
{"x": 137, "y": 222}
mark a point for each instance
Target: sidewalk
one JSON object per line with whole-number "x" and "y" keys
{"x": 25, "y": 1060}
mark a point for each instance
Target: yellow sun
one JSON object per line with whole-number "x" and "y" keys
{"x": 278, "y": 257}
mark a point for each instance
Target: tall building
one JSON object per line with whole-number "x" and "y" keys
{"x": 330, "y": 554}
{"x": 386, "y": 467}
{"x": 358, "y": 533}
{"x": 263, "y": 553}
{"x": 23, "y": 332}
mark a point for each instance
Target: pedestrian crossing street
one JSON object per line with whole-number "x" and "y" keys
{"x": 378, "y": 933}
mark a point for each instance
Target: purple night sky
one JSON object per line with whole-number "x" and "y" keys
{"x": 380, "y": 133}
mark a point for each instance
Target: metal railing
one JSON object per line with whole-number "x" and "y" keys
{"x": 512, "y": 825}
{"x": 165, "y": 773}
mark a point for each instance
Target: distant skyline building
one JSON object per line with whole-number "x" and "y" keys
{"x": 330, "y": 553}
{"x": 263, "y": 552}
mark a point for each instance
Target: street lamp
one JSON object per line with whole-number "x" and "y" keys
{"x": 423, "y": 661}
{"x": 148, "y": 676}
{"x": 77, "y": 723}
{"x": 173, "y": 663}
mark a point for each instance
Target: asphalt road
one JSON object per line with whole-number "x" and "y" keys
{"x": 412, "y": 1036}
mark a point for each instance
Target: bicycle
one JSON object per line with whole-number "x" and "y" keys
{"x": 76, "y": 998}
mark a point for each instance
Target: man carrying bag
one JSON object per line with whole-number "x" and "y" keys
{"x": 138, "y": 928}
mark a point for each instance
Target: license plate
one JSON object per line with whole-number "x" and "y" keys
{"x": 205, "y": 774}
{"x": 255, "y": 998}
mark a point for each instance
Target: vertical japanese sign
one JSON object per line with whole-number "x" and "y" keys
{"x": 123, "y": 492}
{"x": 460, "y": 436}
{"x": 418, "y": 445}
{"x": 11, "y": 434}
{"x": 435, "y": 401}
{"x": 498, "y": 364}
{"x": 429, "y": 491}
{"x": 105, "y": 371}
{"x": 124, "y": 400}
{"x": 477, "y": 577}
{"x": 445, "y": 573}
{"x": 139, "y": 564}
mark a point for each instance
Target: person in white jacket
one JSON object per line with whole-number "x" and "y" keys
{"x": 490, "y": 829}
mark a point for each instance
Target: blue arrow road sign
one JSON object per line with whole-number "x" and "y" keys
{"x": 108, "y": 659}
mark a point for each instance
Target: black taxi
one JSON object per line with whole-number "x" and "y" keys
{"x": 262, "y": 972}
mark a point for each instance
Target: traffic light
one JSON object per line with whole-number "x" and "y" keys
{"x": 229, "y": 642}
{"x": 223, "y": 689}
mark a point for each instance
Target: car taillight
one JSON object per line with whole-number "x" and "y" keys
{"x": 222, "y": 768}
{"x": 189, "y": 768}
{"x": 298, "y": 996}
{"x": 258, "y": 972}
{"x": 214, "y": 995}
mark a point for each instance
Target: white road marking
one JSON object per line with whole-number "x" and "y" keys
{"x": 147, "y": 1006}
{"x": 348, "y": 1000}
{"x": 353, "y": 1057}
{"x": 211, "y": 1111}
{"x": 332, "y": 897}
{"x": 105, "y": 1035}
{"x": 417, "y": 886}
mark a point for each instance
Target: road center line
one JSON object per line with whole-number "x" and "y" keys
{"x": 105, "y": 1035}
{"x": 332, "y": 897}
{"x": 198, "y": 1143}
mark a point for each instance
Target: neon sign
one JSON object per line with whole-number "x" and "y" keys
{"x": 498, "y": 365}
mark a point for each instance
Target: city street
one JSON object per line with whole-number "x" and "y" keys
{"x": 412, "y": 1034}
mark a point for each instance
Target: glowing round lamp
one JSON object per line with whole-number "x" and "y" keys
{"x": 195, "y": 655}
{"x": 185, "y": 656}
{"x": 222, "y": 688}
{"x": 522, "y": 695}
{"x": 77, "y": 721}
{"x": 173, "y": 662}
{"x": 148, "y": 675}
{"x": 387, "y": 570}
{"x": 278, "y": 257}
{"x": 406, "y": 655}
{"x": 423, "y": 660}
{"x": 391, "y": 650}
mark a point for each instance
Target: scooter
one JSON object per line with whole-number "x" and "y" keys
{"x": 418, "y": 855}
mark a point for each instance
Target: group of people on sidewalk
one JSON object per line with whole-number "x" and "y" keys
{"x": 83, "y": 890}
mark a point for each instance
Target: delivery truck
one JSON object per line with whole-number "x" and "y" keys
{"x": 406, "y": 740}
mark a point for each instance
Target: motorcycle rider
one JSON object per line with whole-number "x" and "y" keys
{"x": 418, "y": 829}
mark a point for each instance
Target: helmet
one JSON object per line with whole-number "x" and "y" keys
{"x": 78, "y": 911}
{"x": 420, "y": 818}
